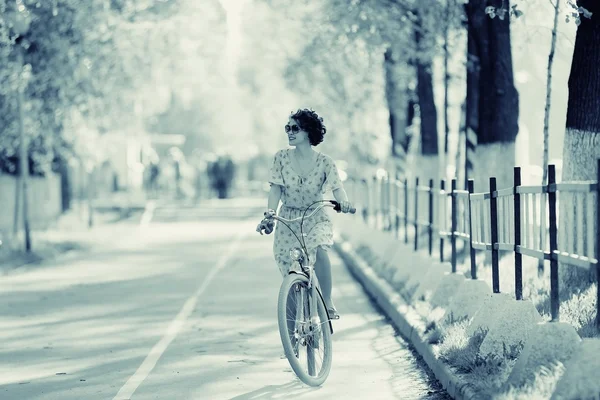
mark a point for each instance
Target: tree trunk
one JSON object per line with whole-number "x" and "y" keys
{"x": 446, "y": 78}
{"x": 497, "y": 98}
{"x": 395, "y": 93}
{"x": 429, "y": 132}
{"x": 581, "y": 142}
{"x": 477, "y": 48}
{"x": 428, "y": 160}
{"x": 17, "y": 212}
{"x": 543, "y": 229}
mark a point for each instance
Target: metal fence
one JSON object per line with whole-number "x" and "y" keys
{"x": 496, "y": 220}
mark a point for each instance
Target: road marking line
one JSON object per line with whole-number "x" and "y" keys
{"x": 159, "y": 348}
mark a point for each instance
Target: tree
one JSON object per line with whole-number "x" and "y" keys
{"x": 396, "y": 93}
{"x": 425, "y": 35}
{"x": 543, "y": 230}
{"x": 582, "y": 136}
{"x": 331, "y": 61}
{"x": 492, "y": 99}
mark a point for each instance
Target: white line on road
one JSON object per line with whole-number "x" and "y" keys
{"x": 159, "y": 348}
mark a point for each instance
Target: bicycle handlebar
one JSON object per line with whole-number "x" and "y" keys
{"x": 331, "y": 203}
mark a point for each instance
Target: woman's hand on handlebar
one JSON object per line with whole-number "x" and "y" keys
{"x": 267, "y": 224}
{"x": 345, "y": 206}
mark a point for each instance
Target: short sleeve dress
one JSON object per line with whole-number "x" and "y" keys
{"x": 299, "y": 192}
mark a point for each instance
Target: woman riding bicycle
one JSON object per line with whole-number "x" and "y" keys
{"x": 299, "y": 177}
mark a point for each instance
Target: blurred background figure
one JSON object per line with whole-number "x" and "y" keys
{"x": 177, "y": 158}
{"x": 221, "y": 174}
{"x": 152, "y": 173}
{"x": 199, "y": 162}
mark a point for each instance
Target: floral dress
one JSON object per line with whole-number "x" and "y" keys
{"x": 299, "y": 192}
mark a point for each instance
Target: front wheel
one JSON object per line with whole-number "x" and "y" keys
{"x": 306, "y": 339}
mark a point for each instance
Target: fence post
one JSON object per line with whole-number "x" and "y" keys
{"x": 597, "y": 250}
{"x": 554, "y": 298}
{"x": 470, "y": 146}
{"x": 494, "y": 234}
{"x": 383, "y": 203}
{"x": 416, "y": 224}
{"x": 430, "y": 217}
{"x": 518, "y": 255}
{"x": 367, "y": 207}
{"x": 471, "y": 188}
{"x": 379, "y": 214}
{"x": 388, "y": 201}
{"x": 442, "y": 212}
{"x": 454, "y": 216}
{"x": 396, "y": 208}
{"x": 378, "y": 200}
{"x": 406, "y": 210}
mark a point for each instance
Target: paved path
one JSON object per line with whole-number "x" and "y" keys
{"x": 183, "y": 310}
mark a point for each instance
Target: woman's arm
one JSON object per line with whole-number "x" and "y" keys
{"x": 340, "y": 194}
{"x": 274, "y": 197}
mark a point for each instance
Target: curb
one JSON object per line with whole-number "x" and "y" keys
{"x": 398, "y": 311}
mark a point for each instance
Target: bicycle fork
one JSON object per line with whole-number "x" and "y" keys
{"x": 314, "y": 299}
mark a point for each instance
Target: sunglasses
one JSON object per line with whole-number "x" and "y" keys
{"x": 293, "y": 128}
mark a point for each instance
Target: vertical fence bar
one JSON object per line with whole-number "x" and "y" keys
{"x": 475, "y": 221}
{"x": 430, "y": 217}
{"x": 406, "y": 210}
{"x": 391, "y": 220}
{"x": 535, "y": 237}
{"x": 590, "y": 227}
{"x": 386, "y": 219}
{"x": 454, "y": 216}
{"x": 579, "y": 208}
{"x": 376, "y": 202}
{"x": 442, "y": 215}
{"x": 383, "y": 203}
{"x": 379, "y": 191}
{"x": 471, "y": 189}
{"x": 366, "y": 196}
{"x": 416, "y": 224}
{"x": 371, "y": 194}
{"x": 500, "y": 203}
{"x": 597, "y": 249}
{"x": 494, "y": 235}
{"x": 396, "y": 208}
{"x": 517, "y": 232}
{"x": 554, "y": 298}
{"x": 388, "y": 203}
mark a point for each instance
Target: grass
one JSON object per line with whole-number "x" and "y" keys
{"x": 577, "y": 308}
{"x": 488, "y": 374}
{"x": 542, "y": 387}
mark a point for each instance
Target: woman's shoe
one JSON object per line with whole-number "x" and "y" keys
{"x": 332, "y": 313}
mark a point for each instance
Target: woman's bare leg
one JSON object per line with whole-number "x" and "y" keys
{"x": 323, "y": 271}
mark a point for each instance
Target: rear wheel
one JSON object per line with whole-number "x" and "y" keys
{"x": 306, "y": 339}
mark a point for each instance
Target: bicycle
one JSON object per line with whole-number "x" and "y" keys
{"x": 302, "y": 329}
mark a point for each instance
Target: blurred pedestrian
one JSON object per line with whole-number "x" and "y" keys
{"x": 154, "y": 173}
{"x": 222, "y": 173}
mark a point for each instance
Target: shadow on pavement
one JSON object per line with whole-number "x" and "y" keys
{"x": 289, "y": 390}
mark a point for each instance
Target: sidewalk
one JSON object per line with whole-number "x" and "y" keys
{"x": 68, "y": 234}
{"x": 123, "y": 200}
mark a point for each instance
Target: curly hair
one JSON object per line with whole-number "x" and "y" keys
{"x": 311, "y": 123}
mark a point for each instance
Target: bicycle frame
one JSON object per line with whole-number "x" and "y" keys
{"x": 309, "y": 270}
